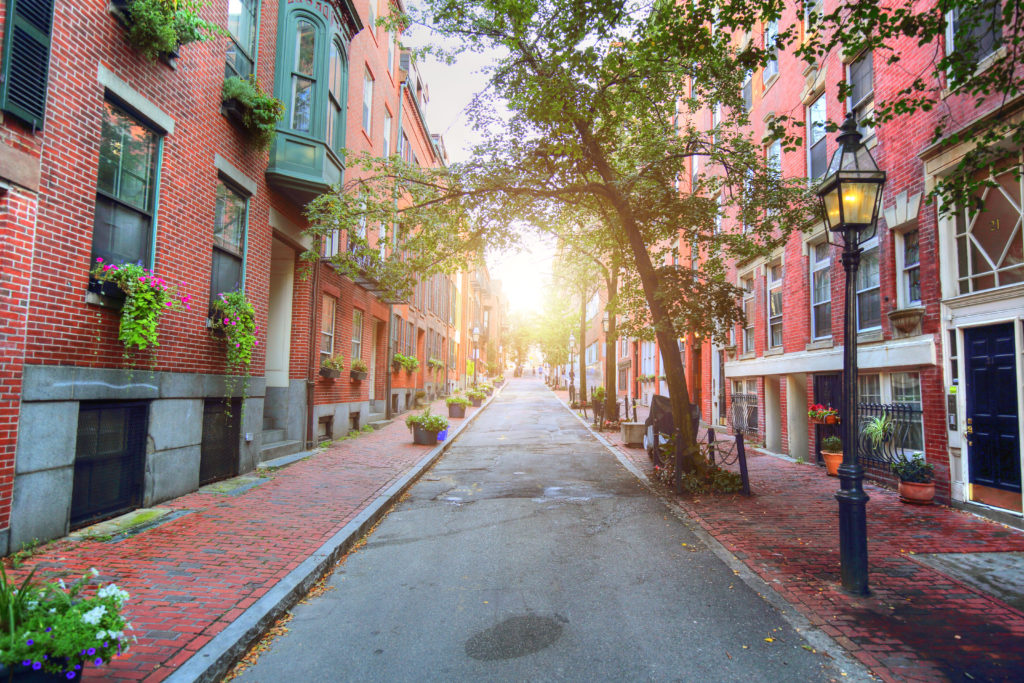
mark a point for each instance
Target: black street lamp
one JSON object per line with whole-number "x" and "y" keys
{"x": 851, "y": 195}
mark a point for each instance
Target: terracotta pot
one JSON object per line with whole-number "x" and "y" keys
{"x": 832, "y": 462}
{"x": 831, "y": 419}
{"x": 917, "y": 494}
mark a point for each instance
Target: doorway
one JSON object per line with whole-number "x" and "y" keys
{"x": 992, "y": 419}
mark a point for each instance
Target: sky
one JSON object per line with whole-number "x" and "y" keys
{"x": 524, "y": 275}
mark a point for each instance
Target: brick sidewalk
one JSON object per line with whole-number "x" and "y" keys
{"x": 918, "y": 624}
{"x": 189, "y": 578}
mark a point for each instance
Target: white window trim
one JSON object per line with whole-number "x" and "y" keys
{"x": 902, "y": 295}
{"x": 822, "y": 140}
{"x": 752, "y": 324}
{"x": 885, "y": 389}
{"x": 852, "y": 106}
{"x": 367, "y": 101}
{"x": 870, "y": 244}
{"x": 769, "y": 285}
{"x": 814, "y": 267}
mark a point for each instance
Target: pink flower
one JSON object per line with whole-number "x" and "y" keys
{"x": 187, "y": 307}
{"x": 237, "y": 345}
{"x": 168, "y": 304}
{"x": 225, "y": 321}
{"x": 256, "y": 342}
{"x": 142, "y": 279}
{"x": 99, "y": 260}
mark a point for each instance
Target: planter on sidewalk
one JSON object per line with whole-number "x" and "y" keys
{"x": 632, "y": 433}
{"x": 476, "y": 402}
{"x": 456, "y": 410}
{"x": 423, "y": 437}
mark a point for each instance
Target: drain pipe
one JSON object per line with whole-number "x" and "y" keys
{"x": 391, "y": 306}
{"x": 313, "y": 353}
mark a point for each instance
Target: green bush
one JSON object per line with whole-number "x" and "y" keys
{"x": 334, "y": 362}
{"x": 457, "y": 401}
{"x": 832, "y": 444}
{"x": 913, "y": 469}
{"x": 599, "y": 394}
{"x": 359, "y": 365}
{"x": 262, "y": 111}
{"x": 476, "y": 395}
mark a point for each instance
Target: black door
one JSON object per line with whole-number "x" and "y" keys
{"x": 828, "y": 391}
{"x": 218, "y": 455}
{"x": 993, "y": 437}
{"x": 110, "y": 457}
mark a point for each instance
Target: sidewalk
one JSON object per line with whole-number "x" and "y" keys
{"x": 196, "y": 575}
{"x": 918, "y": 624}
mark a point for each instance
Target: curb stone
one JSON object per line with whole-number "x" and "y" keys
{"x": 815, "y": 637}
{"x": 215, "y": 658}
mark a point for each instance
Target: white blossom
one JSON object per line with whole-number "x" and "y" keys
{"x": 94, "y": 615}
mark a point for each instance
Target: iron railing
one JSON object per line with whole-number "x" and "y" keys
{"x": 907, "y": 432}
{"x": 744, "y": 412}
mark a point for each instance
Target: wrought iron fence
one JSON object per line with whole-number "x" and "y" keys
{"x": 906, "y": 434}
{"x": 744, "y": 412}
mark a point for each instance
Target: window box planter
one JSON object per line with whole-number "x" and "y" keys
{"x": 906, "y": 320}
{"x": 329, "y": 373}
{"x": 235, "y": 111}
{"x": 357, "y": 376}
{"x": 20, "y": 674}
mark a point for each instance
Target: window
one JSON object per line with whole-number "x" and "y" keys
{"x": 774, "y": 286}
{"x": 327, "y": 328}
{"x": 718, "y": 221}
{"x": 303, "y": 80}
{"x": 773, "y": 158}
{"x": 748, "y": 91}
{"x": 694, "y": 172}
{"x": 861, "y": 78}
{"x": 371, "y": 17}
{"x": 747, "y": 285}
{"x": 242, "y": 22}
{"x": 125, "y": 189}
{"x": 386, "y": 146}
{"x": 771, "y": 36}
{"x": 410, "y": 339}
{"x": 989, "y": 245}
{"x": 357, "y": 334}
{"x": 592, "y": 353}
{"x": 391, "y": 52}
{"x": 228, "y": 241}
{"x": 821, "y": 290}
{"x": 869, "y": 306}
{"x": 716, "y": 118}
{"x": 367, "y": 101}
{"x": 954, "y": 363}
{"x": 813, "y": 11}
{"x": 869, "y": 389}
{"x": 25, "y": 66}
{"x": 911, "y": 268}
{"x": 592, "y": 305}
{"x": 817, "y": 161}
{"x": 977, "y": 30}
{"x": 336, "y": 98}
{"x": 906, "y": 390}
{"x": 331, "y": 244}
{"x": 405, "y": 149}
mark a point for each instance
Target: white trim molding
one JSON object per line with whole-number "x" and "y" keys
{"x": 902, "y": 353}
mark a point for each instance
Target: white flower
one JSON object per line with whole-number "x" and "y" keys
{"x": 94, "y": 615}
{"x": 112, "y": 591}
{"x": 63, "y": 586}
{"x": 94, "y": 572}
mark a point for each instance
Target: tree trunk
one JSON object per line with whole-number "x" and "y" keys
{"x": 664, "y": 331}
{"x": 610, "y": 397}
{"x": 582, "y": 398}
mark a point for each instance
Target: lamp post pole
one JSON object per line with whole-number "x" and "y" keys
{"x": 853, "y": 533}
{"x": 851, "y": 194}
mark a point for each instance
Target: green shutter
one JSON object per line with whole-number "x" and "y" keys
{"x": 26, "y": 60}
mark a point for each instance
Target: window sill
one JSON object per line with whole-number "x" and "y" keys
{"x": 769, "y": 83}
{"x": 774, "y": 351}
{"x": 820, "y": 344}
{"x": 983, "y": 66}
{"x": 749, "y": 355}
{"x": 869, "y": 336}
{"x": 110, "y": 302}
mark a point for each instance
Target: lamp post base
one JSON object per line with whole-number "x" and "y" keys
{"x": 853, "y": 534}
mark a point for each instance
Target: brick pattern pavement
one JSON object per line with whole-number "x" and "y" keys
{"x": 918, "y": 624}
{"x": 191, "y": 577}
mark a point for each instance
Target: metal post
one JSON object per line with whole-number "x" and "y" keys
{"x": 853, "y": 535}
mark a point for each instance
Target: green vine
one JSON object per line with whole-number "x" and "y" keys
{"x": 410, "y": 363}
{"x": 234, "y": 317}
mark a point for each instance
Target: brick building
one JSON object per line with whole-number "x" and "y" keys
{"x": 940, "y": 299}
{"x": 106, "y": 154}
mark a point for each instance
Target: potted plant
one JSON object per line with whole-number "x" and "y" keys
{"x": 233, "y": 317}
{"x": 435, "y": 364}
{"x": 331, "y": 367}
{"x": 425, "y": 427}
{"x": 486, "y": 388}
{"x": 878, "y": 429}
{"x": 475, "y": 397}
{"x": 256, "y": 111}
{"x": 160, "y": 27}
{"x": 915, "y": 475}
{"x": 421, "y": 397}
{"x": 412, "y": 363}
{"x": 820, "y": 414}
{"x": 59, "y": 630}
{"x": 832, "y": 452}
{"x": 358, "y": 370}
{"x": 146, "y": 298}
{"x": 456, "y": 406}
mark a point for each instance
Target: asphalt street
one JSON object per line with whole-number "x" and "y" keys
{"x": 529, "y": 553}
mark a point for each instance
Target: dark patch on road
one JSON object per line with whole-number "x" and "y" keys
{"x": 516, "y": 637}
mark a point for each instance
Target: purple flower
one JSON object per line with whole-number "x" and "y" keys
{"x": 49, "y": 628}
{"x": 98, "y": 661}
{"x": 30, "y": 642}
{"x": 91, "y": 651}
{"x": 27, "y": 662}
{"x": 36, "y": 666}
{"x": 70, "y": 675}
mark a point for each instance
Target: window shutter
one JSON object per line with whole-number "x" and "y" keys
{"x": 26, "y": 60}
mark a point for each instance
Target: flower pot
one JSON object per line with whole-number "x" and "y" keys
{"x": 906, "y": 320}
{"x": 832, "y": 462}
{"x": 632, "y": 433}
{"x": 917, "y": 494}
{"x": 456, "y": 410}
{"x": 329, "y": 373}
{"x": 816, "y": 421}
{"x": 476, "y": 402}
{"x": 831, "y": 419}
{"x": 235, "y": 111}
{"x": 25, "y": 674}
{"x": 422, "y": 437}
{"x": 357, "y": 376}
